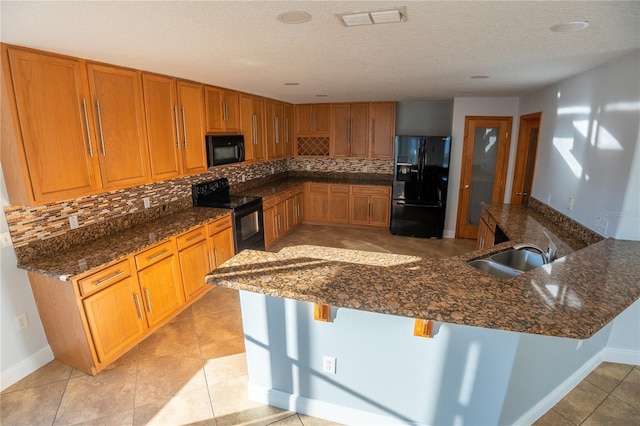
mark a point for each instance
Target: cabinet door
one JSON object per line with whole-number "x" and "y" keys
{"x": 339, "y": 203}
{"x": 116, "y": 96}
{"x": 287, "y": 129}
{"x": 303, "y": 119}
{"x": 380, "y": 207}
{"x": 359, "y": 130}
{"x": 247, "y": 126}
{"x": 383, "y": 123}
{"x": 321, "y": 118}
{"x": 161, "y": 109}
{"x": 340, "y": 136}
{"x": 223, "y": 249}
{"x": 115, "y": 317}
{"x": 231, "y": 112}
{"x": 360, "y": 209}
{"x": 291, "y": 212}
{"x": 214, "y": 109}
{"x": 194, "y": 265}
{"x": 270, "y": 227}
{"x": 192, "y": 132}
{"x": 299, "y": 208}
{"x": 160, "y": 283}
{"x": 54, "y": 123}
{"x": 270, "y": 128}
{"x": 316, "y": 202}
{"x": 281, "y": 218}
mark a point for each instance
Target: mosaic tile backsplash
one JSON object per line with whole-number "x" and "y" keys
{"x": 101, "y": 214}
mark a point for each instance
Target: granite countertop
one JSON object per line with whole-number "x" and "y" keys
{"x": 102, "y": 251}
{"x": 575, "y": 296}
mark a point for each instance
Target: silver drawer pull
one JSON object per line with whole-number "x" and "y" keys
{"x": 110, "y": 277}
{"x": 195, "y": 237}
{"x": 146, "y": 292}
{"x": 150, "y": 258}
{"x": 138, "y": 306}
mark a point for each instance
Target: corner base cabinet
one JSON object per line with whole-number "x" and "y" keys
{"x": 97, "y": 316}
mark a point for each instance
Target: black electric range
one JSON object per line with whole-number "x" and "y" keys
{"x": 246, "y": 211}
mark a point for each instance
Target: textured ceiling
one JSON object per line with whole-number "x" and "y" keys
{"x": 241, "y": 45}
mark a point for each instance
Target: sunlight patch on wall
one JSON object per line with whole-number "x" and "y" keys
{"x": 582, "y": 126}
{"x": 585, "y": 110}
{"x": 623, "y": 106}
{"x": 606, "y": 141}
{"x": 564, "y": 147}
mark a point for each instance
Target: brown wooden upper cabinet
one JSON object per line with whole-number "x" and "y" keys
{"x": 349, "y": 130}
{"x": 192, "y": 127}
{"x": 274, "y": 129}
{"x": 116, "y": 99}
{"x": 383, "y": 128}
{"x": 223, "y": 110}
{"x": 161, "y": 109}
{"x": 312, "y": 119}
{"x": 55, "y": 140}
{"x": 252, "y": 119}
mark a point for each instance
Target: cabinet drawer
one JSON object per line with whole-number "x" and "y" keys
{"x": 281, "y": 197}
{"x": 219, "y": 225}
{"x": 291, "y": 193}
{"x": 269, "y": 202}
{"x": 298, "y": 189}
{"x": 370, "y": 190}
{"x": 104, "y": 278}
{"x": 190, "y": 238}
{"x": 339, "y": 189}
{"x": 319, "y": 188}
{"x": 153, "y": 255}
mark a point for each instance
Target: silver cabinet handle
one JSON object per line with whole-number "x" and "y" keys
{"x": 350, "y": 131}
{"x": 373, "y": 131}
{"x": 184, "y": 127}
{"x": 138, "y": 306}
{"x": 225, "y": 116}
{"x": 255, "y": 129}
{"x": 210, "y": 264}
{"x": 215, "y": 256}
{"x": 175, "y": 116}
{"x": 195, "y": 237}
{"x": 277, "y": 128}
{"x": 110, "y": 277}
{"x": 86, "y": 123}
{"x": 286, "y": 130}
{"x": 150, "y": 258}
{"x": 100, "y": 127}
{"x": 146, "y": 292}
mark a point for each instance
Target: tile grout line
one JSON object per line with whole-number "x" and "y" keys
{"x": 609, "y": 394}
{"x": 55, "y": 416}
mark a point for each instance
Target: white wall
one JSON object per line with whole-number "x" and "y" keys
{"x": 463, "y": 107}
{"x": 590, "y": 147}
{"x": 424, "y": 118}
{"x": 21, "y": 351}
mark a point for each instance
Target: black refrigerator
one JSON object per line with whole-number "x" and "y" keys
{"x": 421, "y": 173}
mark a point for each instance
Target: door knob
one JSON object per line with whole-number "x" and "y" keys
{"x": 466, "y": 187}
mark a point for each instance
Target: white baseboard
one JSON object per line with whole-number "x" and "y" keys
{"x": 621, "y": 356}
{"x": 448, "y": 234}
{"x": 25, "y": 367}
{"x": 320, "y": 409}
{"x": 546, "y": 403}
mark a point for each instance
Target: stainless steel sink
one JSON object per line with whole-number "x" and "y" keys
{"x": 495, "y": 268}
{"x": 522, "y": 260}
{"x": 509, "y": 264}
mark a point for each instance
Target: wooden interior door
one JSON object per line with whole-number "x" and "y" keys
{"x": 484, "y": 169}
{"x": 528, "y": 136}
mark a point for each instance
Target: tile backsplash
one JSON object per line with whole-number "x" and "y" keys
{"x": 35, "y": 224}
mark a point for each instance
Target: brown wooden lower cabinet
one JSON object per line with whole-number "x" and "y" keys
{"x": 97, "y": 316}
{"x": 486, "y": 231}
{"x": 281, "y": 213}
{"x": 347, "y": 204}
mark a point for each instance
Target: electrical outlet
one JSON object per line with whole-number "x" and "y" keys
{"x": 22, "y": 321}
{"x": 364, "y": 169}
{"x": 273, "y": 170}
{"x": 147, "y": 202}
{"x": 244, "y": 178}
{"x": 6, "y": 239}
{"x": 308, "y": 167}
{"x": 570, "y": 203}
{"x": 329, "y": 364}
{"x": 73, "y": 221}
{"x": 549, "y": 199}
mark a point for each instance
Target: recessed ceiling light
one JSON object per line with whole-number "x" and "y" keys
{"x": 292, "y": 84}
{"x": 569, "y": 27}
{"x": 479, "y": 77}
{"x": 294, "y": 17}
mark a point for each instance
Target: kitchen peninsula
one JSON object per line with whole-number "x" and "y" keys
{"x": 500, "y": 349}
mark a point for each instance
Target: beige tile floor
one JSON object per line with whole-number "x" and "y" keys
{"x": 193, "y": 369}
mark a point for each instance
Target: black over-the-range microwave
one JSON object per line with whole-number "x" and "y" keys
{"x": 224, "y": 149}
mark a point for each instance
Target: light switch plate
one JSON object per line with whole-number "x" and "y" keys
{"x": 147, "y": 202}
{"x": 73, "y": 222}
{"x": 6, "y": 239}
